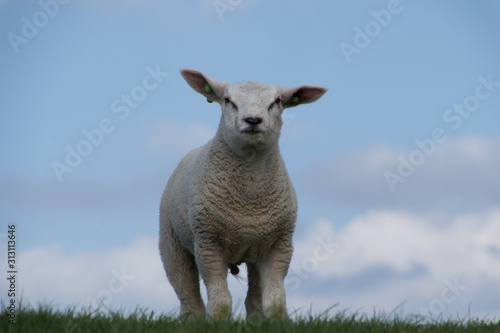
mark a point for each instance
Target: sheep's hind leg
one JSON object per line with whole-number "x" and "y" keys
{"x": 182, "y": 273}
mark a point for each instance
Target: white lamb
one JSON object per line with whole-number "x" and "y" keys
{"x": 232, "y": 201}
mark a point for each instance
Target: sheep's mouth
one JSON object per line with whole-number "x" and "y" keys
{"x": 251, "y": 130}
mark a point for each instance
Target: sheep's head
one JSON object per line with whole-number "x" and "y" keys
{"x": 251, "y": 111}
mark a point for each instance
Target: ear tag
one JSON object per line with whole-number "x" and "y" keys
{"x": 209, "y": 90}
{"x": 295, "y": 99}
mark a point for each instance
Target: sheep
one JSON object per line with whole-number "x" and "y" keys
{"x": 231, "y": 201}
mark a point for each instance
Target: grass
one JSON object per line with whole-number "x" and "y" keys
{"x": 46, "y": 319}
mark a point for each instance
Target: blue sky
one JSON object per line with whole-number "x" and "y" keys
{"x": 396, "y": 167}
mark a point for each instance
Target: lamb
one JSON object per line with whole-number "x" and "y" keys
{"x": 231, "y": 201}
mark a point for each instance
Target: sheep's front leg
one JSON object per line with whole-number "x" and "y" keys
{"x": 272, "y": 272}
{"x": 213, "y": 271}
{"x": 253, "y": 302}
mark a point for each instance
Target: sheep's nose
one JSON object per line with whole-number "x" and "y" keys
{"x": 253, "y": 120}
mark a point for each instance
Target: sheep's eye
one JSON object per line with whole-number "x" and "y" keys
{"x": 276, "y": 102}
{"x": 228, "y": 101}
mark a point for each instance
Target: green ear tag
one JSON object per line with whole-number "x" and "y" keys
{"x": 295, "y": 99}
{"x": 209, "y": 90}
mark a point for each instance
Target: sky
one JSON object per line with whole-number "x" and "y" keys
{"x": 396, "y": 167}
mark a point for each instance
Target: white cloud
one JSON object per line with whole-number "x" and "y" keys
{"x": 400, "y": 240}
{"x": 132, "y": 276}
{"x": 379, "y": 259}
{"x": 460, "y": 174}
{"x": 124, "y": 277}
{"x": 384, "y": 258}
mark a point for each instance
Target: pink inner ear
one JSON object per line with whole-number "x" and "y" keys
{"x": 194, "y": 77}
{"x": 309, "y": 93}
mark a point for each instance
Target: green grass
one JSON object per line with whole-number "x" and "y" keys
{"x": 45, "y": 319}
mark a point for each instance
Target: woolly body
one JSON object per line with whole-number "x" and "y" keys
{"x": 243, "y": 205}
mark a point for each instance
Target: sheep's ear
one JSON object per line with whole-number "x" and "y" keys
{"x": 301, "y": 95}
{"x": 212, "y": 89}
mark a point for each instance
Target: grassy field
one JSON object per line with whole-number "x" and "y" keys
{"x": 44, "y": 319}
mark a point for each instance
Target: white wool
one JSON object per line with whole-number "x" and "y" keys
{"x": 232, "y": 201}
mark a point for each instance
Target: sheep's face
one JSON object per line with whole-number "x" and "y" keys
{"x": 251, "y": 112}
{"x": 251, "y": 115}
